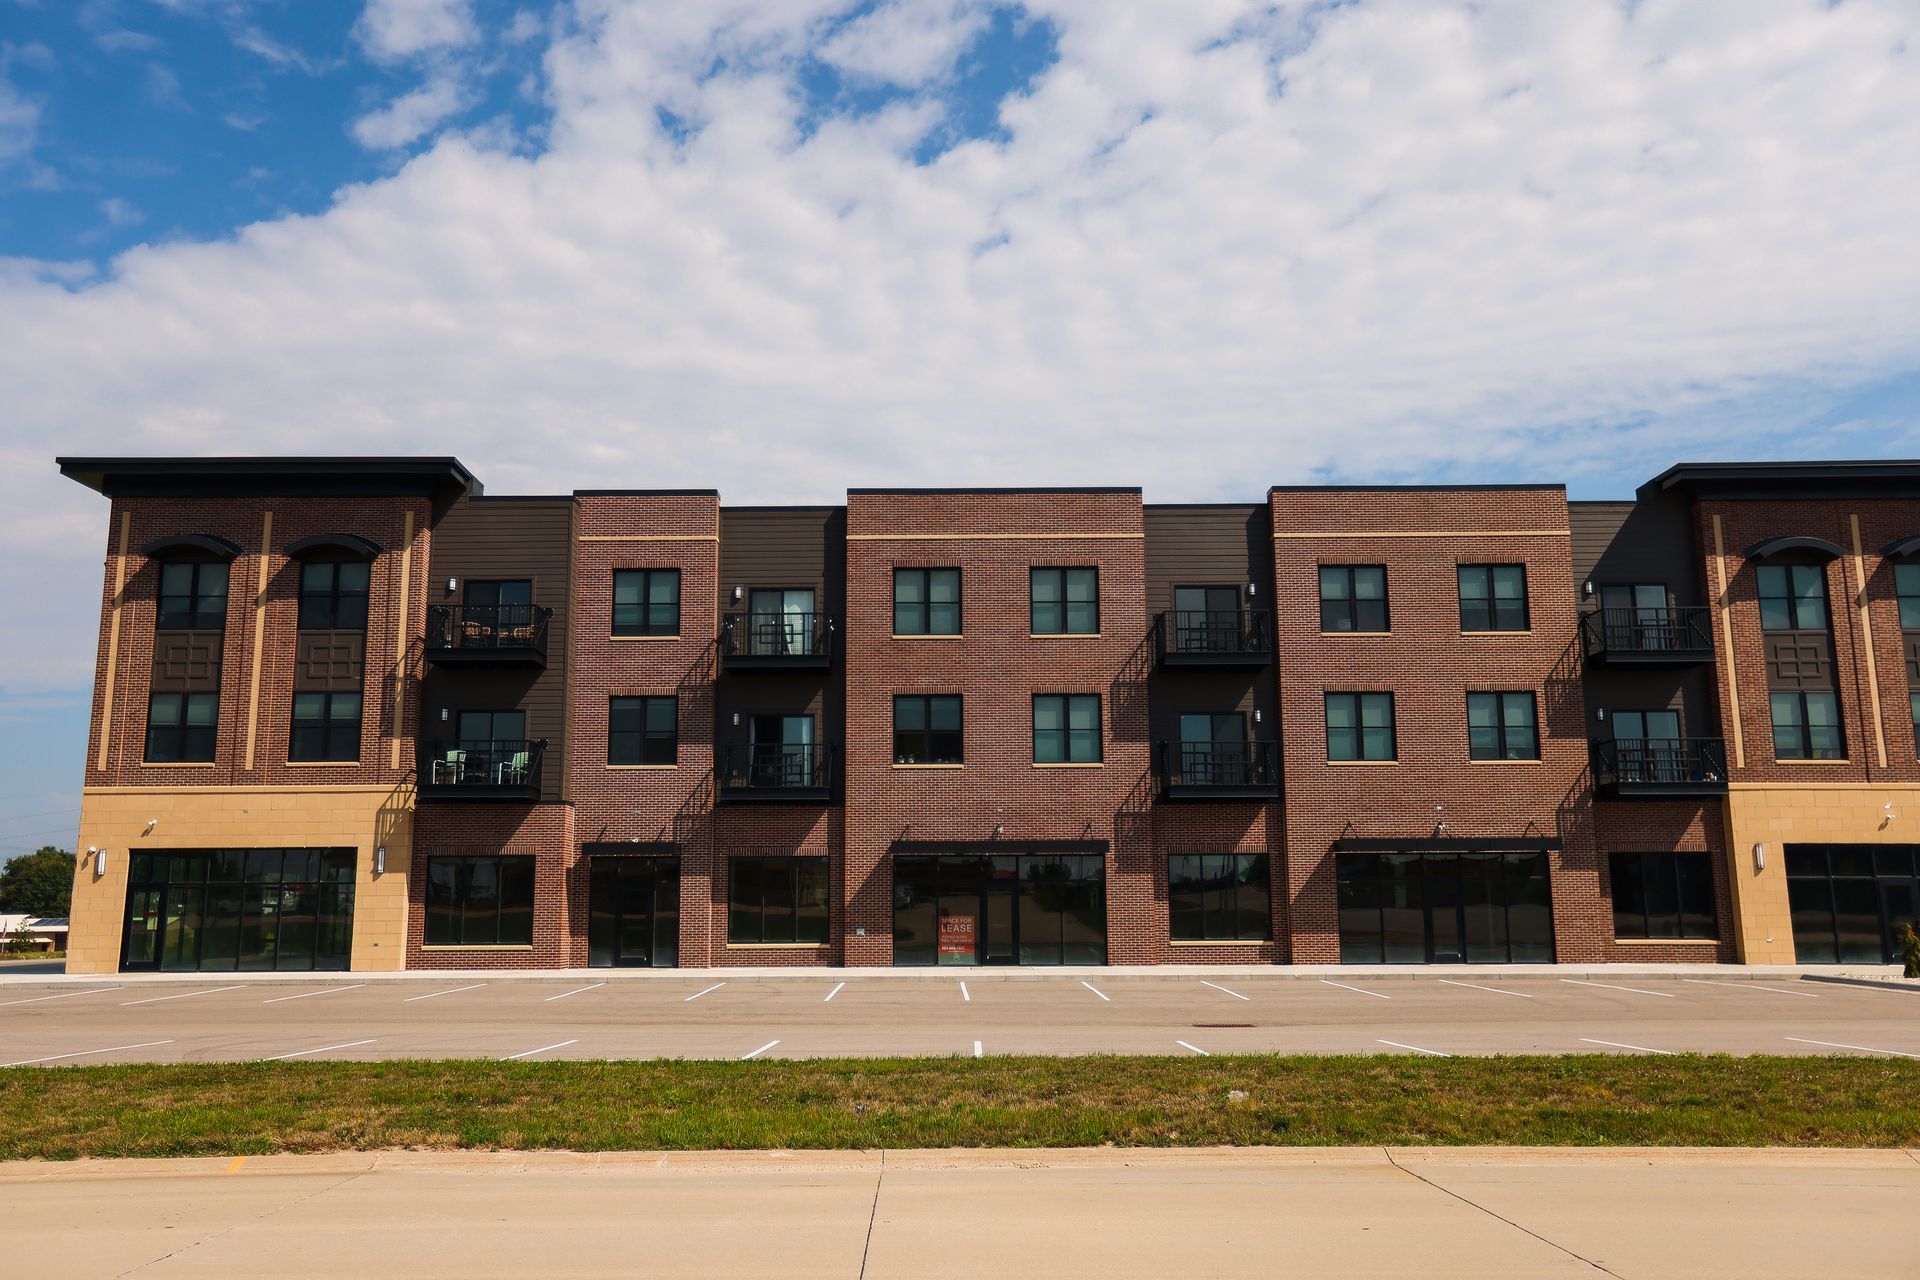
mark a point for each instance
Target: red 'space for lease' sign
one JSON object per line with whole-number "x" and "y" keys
{"x": 956, "y": 935}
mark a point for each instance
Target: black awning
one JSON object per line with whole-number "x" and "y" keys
{"x": 211, "y": 544}
{"x": 630, "y": 848}
{"x": 1449, "y": 844}
{"x": 1768, "y": 547}
{"x": 351, "y": 543}
{"x": 999, "y": 846}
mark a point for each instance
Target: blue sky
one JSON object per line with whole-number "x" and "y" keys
{"x": 786, "y": 246}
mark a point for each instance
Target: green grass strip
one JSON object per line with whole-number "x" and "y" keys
{"x": 1588, "y": 1100}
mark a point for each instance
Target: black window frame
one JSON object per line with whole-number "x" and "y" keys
{"x": 1500, "y": 725}
{"x": 1067, "y": 731}
{"x": 1790, "y": 576}
{"x": 1805, "y": 726}
{"x": 1358, "y": 700}
{"x": 797, "y": 875}
{"x": 1187, "y": 879}
{"x": 926, "y": 603}
{"x": 470, "y": 920}
{"x": 1063, "y": 600}
{"x": 928, "y": 736}
{"x": 642, "y": 744}
{"x": 331, "y": 607}
{"x": 1492, "y": 622}
{"x": 337, "y": 740}
{"x": 181, "y": 731}
{"x": 200, "y": 614}
{"x": 1906, "y": 588}
{"x": 1685, "y": 875}
{"x": 649, "y": 600}
{"x": 1342, "y": 614}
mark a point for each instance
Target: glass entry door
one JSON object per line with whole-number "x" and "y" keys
{"x": 634, "y": 904}
{"x": 780, "y": 622}
{"x": 1648, "y": 746}
{"x": 213, "y": 910}
{"x": 966, "y": 909}
{"x": 781, "y": 751}
{"x": 1206, "y": 619}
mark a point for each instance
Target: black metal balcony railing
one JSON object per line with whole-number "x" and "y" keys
{"x": 1219, "y": 638}
{"x": 515, "y": 633}
{"x": 776, "y": 640}
{"x": 775, "y": 772}
{"x": 1661, "y": 766}
{"x": 482, "y": 768}
{"x": 1675, "y": 635}
{"x": 1217, "y": 770}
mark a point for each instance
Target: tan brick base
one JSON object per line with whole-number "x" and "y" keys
{"x": 1774, "y": 814}
{"x": 115, "y": 819}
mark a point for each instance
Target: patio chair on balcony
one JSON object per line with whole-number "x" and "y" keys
{"x": 514, "y": 772}
{"x": 450, "y": 769}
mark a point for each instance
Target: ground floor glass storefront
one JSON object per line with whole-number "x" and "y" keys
{"x": 1851, "y": 903}
{"x": 633, "y": 911}
{"x": 1427, "y": 907}
{"x": 966, "y": 909}
{"x": 239, "y": 910}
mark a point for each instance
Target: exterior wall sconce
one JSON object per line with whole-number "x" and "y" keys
{"x": 1759, "y": 857}
{"x": 99, "y": 861}
{"x": 380, "y": 860}
{"x": 452, "y": 583}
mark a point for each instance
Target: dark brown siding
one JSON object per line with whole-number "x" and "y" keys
{"x": 506, "y": 538}
{"x": 1194, "y": 546}
{"x": 788, "y": 547}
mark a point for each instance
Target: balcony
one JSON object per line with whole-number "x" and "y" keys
{"x": 1228, "y": 638}
{"x": 776, "y": 642}
{"x": 1660, "y": 768}
{"x": 1674, "y": 637}
{"x": 1217, "y": 770}
{"x": 498, "y": 635}
{"x": 497, "y": 769}
{"x": 774, "y": 773}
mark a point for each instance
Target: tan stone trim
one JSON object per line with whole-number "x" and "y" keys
{"x": 1340, "y": 635}
{"x": 259, "y": 634}
{"x": 632, "y": 639}
{"x": 992, "y": 537}
{"x": 178, "y": 764}
{"x": 1866, "y": 633}
{"x": 1666, "y": 942}
{"x": 1348, "y": 764}
{"x": 648, "y": 537}
{"x": 113, "y": 636}
{"x": 1721, "y": 607}
{"x": 929, "y": 766}
{"x": 322, "y": 764}
{"x": 1435, "y": 533}
{"x": 659, "y": 768}
{"x": 1796, "y": 762}
{"x": 400, "y": 642}
{"x": 1897, "y": 788}
{"x": 929, "y": 635}
{"x": 1493, "y": 635}
{"x": 1470, "y": 760}
{"x": 1220, "y": 942}
{"x": 1066, "y": 635}
{"x": 289, "y": 788}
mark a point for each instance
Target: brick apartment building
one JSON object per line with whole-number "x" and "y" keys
{"x": 356, "y": 713}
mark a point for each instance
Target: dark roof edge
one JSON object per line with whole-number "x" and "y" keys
{"x": 1010, "y": 489}
{"x": 189, "y": 476}
{"x": 1411, "y": 488}
{"x": 646, "y": 493}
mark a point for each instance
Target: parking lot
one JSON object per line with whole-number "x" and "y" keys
{"x": 864, "y": 1014}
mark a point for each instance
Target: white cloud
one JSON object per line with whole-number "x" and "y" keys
{"x": 905, "y": 42}
{"x": 411, "y": 115}
{"x": 121, "y": 213}
{"x": 1220, "y": 250}
{"x": 19, "y": 123}
{"x": 394, "y": 29}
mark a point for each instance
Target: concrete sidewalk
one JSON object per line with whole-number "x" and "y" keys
{"x": 1108, "y": 1214}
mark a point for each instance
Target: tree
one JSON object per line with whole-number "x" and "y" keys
{"x": 39, "y": 883}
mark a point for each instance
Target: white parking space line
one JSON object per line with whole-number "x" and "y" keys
{"x": 1861, "y": 1048}
{"x": 1217, "y": 987}
{"x": 450, "y": 991}
{"x": 64, "y": 995}
{"x": 1097, "y": 991}
{"x": 977, "y": 1051}
{"x": 1194, "y": 1048}
{"x": 210, "y": 991}
{"x": 1637, "y": 1048}
{"x": 1752, "y": 986}
{"x": 757, "y": 1052}
{"x": 1581, "y": 982}
{"x": 542, "y": 1049}
{"x": 85, "y": 1053}
{"x": 965, "y": 994}
{"x": 1431, "y": 1053}
{"x": 1499, "y": 991}
{"x": 324, "y": 991}
{"x": 831, "y": 994}
{"x": 709, "y": 991}
{"x": 1362, "y": 990}
{"x": 576, "y": 991}
{"x": 325, "y": 1048}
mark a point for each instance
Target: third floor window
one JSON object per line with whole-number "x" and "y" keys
{"x": 1493, "y": 597}
{"x": 1066, "y": 728}
{"x": 1065, "y": 602}
{"x": 646, "y": 602}
{"x": 926, "y": 602}
{"x": 1353, "y": 597}
{"x": 1793, "y": 597}
{"x": 1502, "y": 726}
{"x": 193, "y": 596}
{"x": 1906, "y": 585}
{"x": 333, "y": 595}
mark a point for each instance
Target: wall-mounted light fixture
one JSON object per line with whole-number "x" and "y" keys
{"x": 380, "y": 860}
{"x": 1253, "y": 588}
{"x": 1759, "y": 857}
{"x": 443, "y": 714}
{"x": 1586, "y": 588}
{"x": 739, "y": 592}
{"x": 99, "y": 862}
{"x": 1600, "y": 713}
{"x": 736, "y": 718}
{"x": 1256, "y": 715}
{"x": 452, "y": 584}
